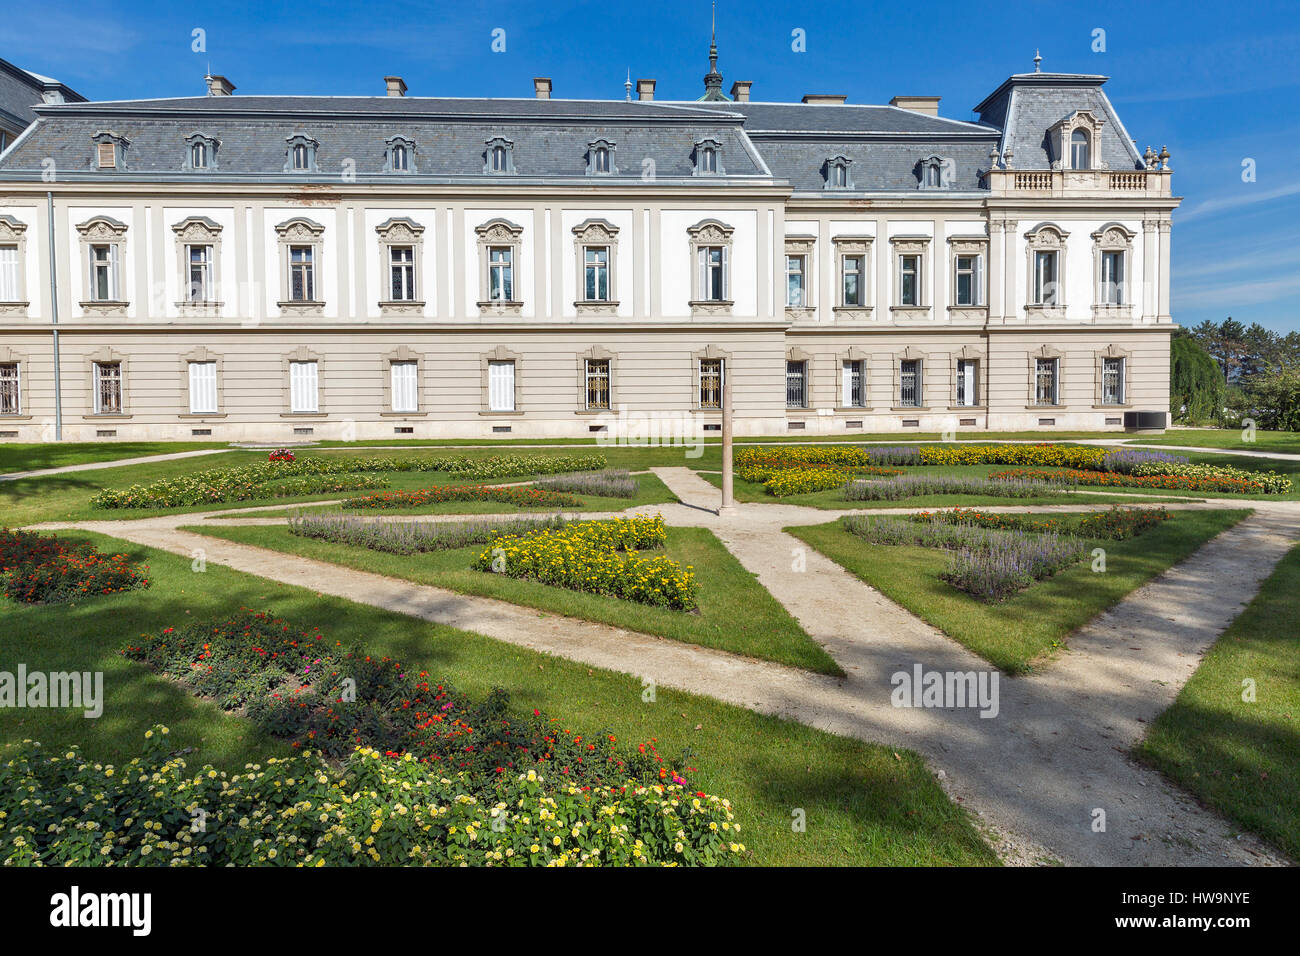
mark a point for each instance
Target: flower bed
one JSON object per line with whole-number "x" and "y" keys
{"x": 1125, "y": 460}
{"x": 411, "y": 537}
{"x": 598, "y": 557}
{"x": 62, "y": 809}
{"x": 610, "y": 483}
{"x": 298, "y": 684}
{"x": 1117, "y": 524}
{"x": 519, "y": 496}
{"x": 326, "y": 475}
{"x": 988, "y": 564}
{"x": 36, "y": 569}
{"x": 1270, "y": 482}
{"x": 758, "y": 464}
{"x": 1053, "y": 455}
{"x": 914, "y": 485}
{"x": 1104, "y": 479}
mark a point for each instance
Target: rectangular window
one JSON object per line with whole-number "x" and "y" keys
{"x": 1045, "y": 282}
{"x": 302, "y": 274}
{"x": 501, "y": 276}
{"x": 203, "y": 387}
{"x": 1112, "y": 278}
{"x": 595, "y": 273}
{"x": 597, "y": 381}
{"x": 501, "y": 386}
{"x": 851, "y": 271}
{"x": 969, "y": 287}
{"x": 9, "y": 284}
{"x": 1045, "y": 381}
{"x": 199, "y": 259}
{"x": 401, "y": 266}
{"x": 711, "y": 372}
{"x": 108, "y": 388}
{"x": 403, "y": 379}
{"x": 853, "y": 393}
{"x": 1112, "y": 381}
{"x": 303, "y": 387}
{"x": 713, "y": 273}
{"x": 795, "y": 291}
{"x": 796, "y": 384}
{"x": 909, "y": 383}
{"x": 968, "y": 382}
{"x": 103, "y": 273}
{"x": 909, "y": 280}
{"x": 10, "y": 393}
{"x": 107, "y": 155}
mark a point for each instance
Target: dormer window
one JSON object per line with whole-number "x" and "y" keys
{"x": 600, "y": 158}
{"x": 399, "y": 155}
{"x": 1080, "y": 150}
{"x": 708, "y": 158}
{"x": 110, "y": 150}
{"x": 200, "y": 152}
{"x": 301, "y": 155}
{"x": 499, "y": 157}
{"x": 837, "y": 173}
{"x": 935, "y": 172}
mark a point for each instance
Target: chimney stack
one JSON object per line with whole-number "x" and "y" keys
{"x": 929, "y": 105}
{"x": 645, "y": 89}
{"x": 542, "y": 87}
{"x": 219, "y": 86}
{"x": 740, "y": 91}
{"x": 824, "y": 99}
{"x": 395, "y": 85}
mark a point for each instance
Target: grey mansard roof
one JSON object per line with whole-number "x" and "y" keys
{"x": 760, "y": 142}
{"x": 21, "y": 90}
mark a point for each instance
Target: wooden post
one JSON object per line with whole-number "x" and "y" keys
{"x": 728, "y": 501}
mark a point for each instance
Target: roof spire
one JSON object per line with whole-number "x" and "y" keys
{"x": 713, "y": 79}
{"x": 627, "y": 85}
{"x": 1038, "y": 58}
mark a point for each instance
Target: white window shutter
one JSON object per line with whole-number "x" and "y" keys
{"x": 977, "y": 277}
{"x": 404, "y": 386}
{"x": 726, "y": 274}
{"x": 203, "y": 387}
{"x": 9, "y": 274}
{"x": 501, "y": 386}
{"x": 302, "y": 387}
{"x": 846, "y": 384}
{"x": 114, "y": 274}
{"x": 702, "y": 288}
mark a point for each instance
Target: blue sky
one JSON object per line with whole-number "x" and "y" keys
{"x": 1217, "y": 84}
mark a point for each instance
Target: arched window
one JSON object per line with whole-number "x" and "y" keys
{"x": 498, "y": 159}
{"x": 932, "y": 175}
{"x": 840, "y": 175}
{"x": 301, "y": 157}
{"x": 400, "y": 163}
{"x": 199, "y": 155}
{"x": 709, "y": 160}
{"x": 601, "y": 160}
{"x": 1080, "y": 150}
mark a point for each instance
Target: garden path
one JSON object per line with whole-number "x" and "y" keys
{"x": 1034, "y": 775}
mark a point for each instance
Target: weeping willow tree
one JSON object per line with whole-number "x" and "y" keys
{"x": 1196, "y": 385}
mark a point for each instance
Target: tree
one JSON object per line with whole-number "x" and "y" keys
{"x": 1196, "y": 382}
{"x": 1275, "y": 395}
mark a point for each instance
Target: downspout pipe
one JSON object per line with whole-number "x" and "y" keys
{"x": 54, "y": 321}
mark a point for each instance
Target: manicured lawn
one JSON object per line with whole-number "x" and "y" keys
{"x": 865, "y": 804}
{"x": 30, "y": 456}
{"x": 1287, "y": 443}
{"x": 1244, "y": 758}
{"x": 736, "y": 614}
{"x": 1023, "y": 630}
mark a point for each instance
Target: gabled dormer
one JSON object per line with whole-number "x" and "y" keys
{"x": 300, "y": 154}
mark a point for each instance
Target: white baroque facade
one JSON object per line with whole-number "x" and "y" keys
{"x": 280, "y": 268}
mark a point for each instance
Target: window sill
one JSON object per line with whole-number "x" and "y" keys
{"x": 304, "y": 415}
{"x": 1034, "y": 408}
{"x": 19, "y": 417}
{"x": 910, "y": 311}
{"x": 1121, "y": 405}
{"x": 967, "y": 408}
{"x": 514, "y": 414}
{"x": 596, "y": 307}
{"x": 851, "y": 409}
{"x": 496, "y": 307}
{"x": 403, "y": 414}
{"x": 594, "y": 412}
{"x": 909, "y": 408}
{"x": 800, "y": 312}
{"x": 709, "y": 307}
{"x": 200, "y": 416}
{"x": 1045, "y": 311}
{"x": 298, "y": 307}
{"x": 14, "y": 308}
{"x": 104, "y": 307}
{"x": 199, "y": 308}
{"x": 978, "y": 312}
{"x": 1112, "y": 312}
{"x": 401, "y": 307}
{"x": 852, "y": 311}
{"x": 102, "y": 416}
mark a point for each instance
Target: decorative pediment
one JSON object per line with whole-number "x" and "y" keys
{"x": 799, "y": 245}
{"x": 196, "y": 229}
{"x": 1114, "y": 235}
{"x": 966, "y": 245}
{"x": 1046, "y": 235}
{"x": 1114, "y": 351}
{"x": 1086, "y": 119}
{"x": 911, "y": 354}
{"x": 499, "y": 230}
{"x": 595, "y": 231}
{"x": 910, "y": 244}
{"x": 853, "y": 244}
{"x": 796, "y": 354}
{"x": 1047, "y": 352}
{"x": 11, "y": 230}
{"x": 300, "y": 228}
{"x": 102, "y": 229}
{"x": 710, "y": 232}
{"x": 399, "y": 229}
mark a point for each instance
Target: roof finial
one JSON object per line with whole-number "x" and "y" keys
{"x": 713, "y": 80}
{"x": 1038, "y": 58}
{"x": 627, "y": 85}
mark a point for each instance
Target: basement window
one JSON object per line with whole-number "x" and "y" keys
{"x": 404, "y": 430}
{"x": 106, "y": 433}
{"x": 200, "y": 431}
{"x": 501, "y": 429}
{"x": 856, "y": 423}
{"x": 911, "y": 423}
{"x": 1047, "y": 421}
{"x": 303, "y": 431}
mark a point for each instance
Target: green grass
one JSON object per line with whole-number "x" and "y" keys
{"x": 1243, "y": 758}
{"x": 30, "y": 456}
{"x": 865, "y": 804}
{"x": 1020, "y": 632}
{"x": 736, "y": 614}
{"x": 1287, "y": 443}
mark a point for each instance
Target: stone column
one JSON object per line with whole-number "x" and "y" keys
{"x": 1163, "y": 312}
{"x": 1149, "y": 274}
{"x": 994, "y": 272}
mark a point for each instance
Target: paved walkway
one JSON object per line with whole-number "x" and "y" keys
{"x": 1035, "y": 775}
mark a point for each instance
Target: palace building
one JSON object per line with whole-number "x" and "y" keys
{"x": 280, "y": 268}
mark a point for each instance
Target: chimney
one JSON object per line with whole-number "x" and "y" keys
{"x": 645, "y": 89}
{"x": 929, "y": 105}
{"x": 824, "y": 99}
{"x": 395, "y": 85}
{"x": 740, "y": 91}
{"x": 219, "y": 86}
{"x": 542, "y": 87}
